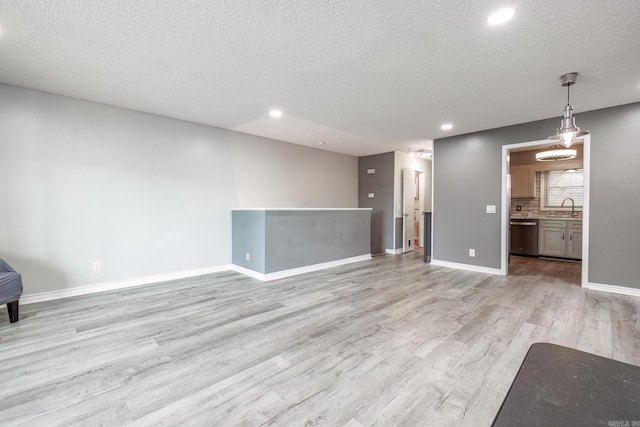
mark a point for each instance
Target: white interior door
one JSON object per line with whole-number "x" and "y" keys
{"x": 408, "y": 203}
{"x": 508, "y": 215}
{"x": 420, "y": 194}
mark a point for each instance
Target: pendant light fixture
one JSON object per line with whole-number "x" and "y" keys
{"x": 568, "y": 131}
{"x": 556, "y": 153}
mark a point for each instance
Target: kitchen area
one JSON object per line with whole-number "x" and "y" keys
{"x": 547, "y": 198}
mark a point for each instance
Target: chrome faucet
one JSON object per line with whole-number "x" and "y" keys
{"x": 573, "y": 212}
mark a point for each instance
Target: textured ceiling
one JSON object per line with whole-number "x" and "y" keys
{"x": 364, "y": 76}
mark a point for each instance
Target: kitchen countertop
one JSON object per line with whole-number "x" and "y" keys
{"x": 546, "y": 218}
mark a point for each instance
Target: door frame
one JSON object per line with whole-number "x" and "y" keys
{"x": 506, "y": 204}
{"x": 408, "y": 220}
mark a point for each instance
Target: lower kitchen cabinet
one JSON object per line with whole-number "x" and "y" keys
{"x": 560, "y": 238}
{"x": 574, "y": 244}
{"x": 551, "y": 242}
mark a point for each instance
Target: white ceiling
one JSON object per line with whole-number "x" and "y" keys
{"x": 365, "y": 76}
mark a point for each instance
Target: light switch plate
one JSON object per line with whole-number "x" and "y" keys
{"x": 491, "y": 208}
{"x": 371, "y": 195}
{"x": 371, "y": 171}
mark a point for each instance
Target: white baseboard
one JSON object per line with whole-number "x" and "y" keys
{"x": 394, "y": 251}
{"x": 469, "y": 267}
{"x": 247, "y": 272}
{"x": 295, "y": 271}
{"x": 634, "y": 292}
{"x": 119, "y": 284}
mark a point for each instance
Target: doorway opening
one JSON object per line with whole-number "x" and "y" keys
{"x": 415, "y": 190}
{"x": 417, "y": 211}
{"x": 545, "y": 212}
{"x": 408, "y": 203}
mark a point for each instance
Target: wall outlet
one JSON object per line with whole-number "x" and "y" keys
{"x": 371, "y": 195}
{"x": 491, "y": 208}
{"x": 472, "y": 252}
{"x": 97, "y": 265}
{"x": 247, "y": 256}
{"x": 371, "y": 171}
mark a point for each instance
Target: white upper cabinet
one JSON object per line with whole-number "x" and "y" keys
{"x": 523, "y": 182}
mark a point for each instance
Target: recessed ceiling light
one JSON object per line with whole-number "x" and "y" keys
{"x": 275, "y": 113}
{"x": 501, "y": 16}
{"x": 446, "y": 126}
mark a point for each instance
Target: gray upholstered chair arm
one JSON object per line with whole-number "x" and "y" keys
{"x": 10, "y": 290}
{"x": 10, "y": 287}
{"x": 5, "y": 268}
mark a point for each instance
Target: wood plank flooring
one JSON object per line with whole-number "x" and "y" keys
{"x": 386, "y": 342}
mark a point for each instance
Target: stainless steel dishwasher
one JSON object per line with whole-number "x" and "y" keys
{"x": 524, "y": 237}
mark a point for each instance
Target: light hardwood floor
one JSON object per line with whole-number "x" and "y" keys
{"x": 386, "y": 342}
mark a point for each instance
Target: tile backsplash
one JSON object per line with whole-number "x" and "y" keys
{"x": 531, "y": 207}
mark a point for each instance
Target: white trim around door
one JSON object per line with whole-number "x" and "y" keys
{"x": 506, "y": 204}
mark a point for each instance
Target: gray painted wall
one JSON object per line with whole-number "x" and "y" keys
{"x": 300, "y": 238}
{"x": 274, "y": 174}
{"x": 248, "y": 233}
{"x": 143, "y": 194}
{"x": 615, "y": 195}
{"x": 381, "y": 185}
{"x": 428, "y": 187}
{"x": 399, "y": 233}
{"x": 467, "y": 176}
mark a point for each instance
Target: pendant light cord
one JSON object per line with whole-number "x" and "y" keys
{"x": 568, "y": 86}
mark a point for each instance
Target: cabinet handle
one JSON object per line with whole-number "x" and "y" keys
{"x": 571, "y": 236}
{"x": 562, "y": 236}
